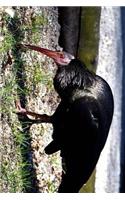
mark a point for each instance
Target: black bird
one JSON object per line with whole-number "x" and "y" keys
{"x": 82, "y": 120}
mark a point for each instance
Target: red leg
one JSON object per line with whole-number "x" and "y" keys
{"x": 37, "y": 117}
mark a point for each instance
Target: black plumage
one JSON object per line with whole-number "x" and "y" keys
{"x": 81, "y": 122}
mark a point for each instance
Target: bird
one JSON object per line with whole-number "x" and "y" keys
{"x": 81, "y": 121}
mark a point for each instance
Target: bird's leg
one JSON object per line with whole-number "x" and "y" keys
{"x": 53, "y": 146}
{"x": 37, "y": 118}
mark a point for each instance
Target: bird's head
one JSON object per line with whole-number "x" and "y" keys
{"x": 60, "y": 58}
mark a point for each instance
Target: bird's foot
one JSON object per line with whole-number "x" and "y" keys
{"x": 22, "y": 113}
{"x": 19, "y": 108}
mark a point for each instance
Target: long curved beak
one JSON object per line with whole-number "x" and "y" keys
{"x": 61, "y": 58}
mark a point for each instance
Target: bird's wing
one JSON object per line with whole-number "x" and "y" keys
{"x": 81, "y": 138}
{"x": 83, "y": 120}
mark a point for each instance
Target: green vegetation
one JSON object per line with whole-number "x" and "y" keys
{"x": 89, "y": 36}
{"x": 39, "y": 76}
{"x": 16, "y": 167}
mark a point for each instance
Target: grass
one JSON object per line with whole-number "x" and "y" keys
{"x": 11, "y": 177}
{"x": 16, "y": 165}
{"x": 40, "y": 77}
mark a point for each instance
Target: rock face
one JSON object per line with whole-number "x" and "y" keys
{"x": 30, "y": 77}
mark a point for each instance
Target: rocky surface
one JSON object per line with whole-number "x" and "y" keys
{"x": 39, "y": 25}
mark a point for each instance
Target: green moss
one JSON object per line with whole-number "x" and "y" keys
{"x": 38, "y": 21}
{"x": 89, "y": 186}
{"x": 89, "y": 36}
{"x": 39, "y": 76}
{"x": 34, "y": 26}
{"x": 6, "y": 43}
{"x": 36, "y": 37}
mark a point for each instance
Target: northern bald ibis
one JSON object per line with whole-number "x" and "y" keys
{"x": 82, "y": 120}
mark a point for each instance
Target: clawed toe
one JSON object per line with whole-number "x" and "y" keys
{"x": 19, "y": 108}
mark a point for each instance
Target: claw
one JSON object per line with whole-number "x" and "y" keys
{"x": 19, "y": 108}
{"x": 22, "y": 113}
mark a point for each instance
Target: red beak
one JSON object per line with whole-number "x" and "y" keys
{"x": 61, "y": 58}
